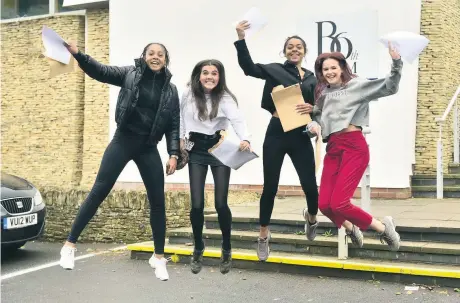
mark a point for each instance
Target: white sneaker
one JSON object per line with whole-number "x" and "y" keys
{"x": 67, "y": 257}
{"x": 160, "y": 267}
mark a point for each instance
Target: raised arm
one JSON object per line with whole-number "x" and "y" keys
{"x": 244, "y": 58}
{"x": 235, "y": 116}
{"x": 379, "y": 88}
{"x": 383, "y": 87}
{"x": 103, "y": 73}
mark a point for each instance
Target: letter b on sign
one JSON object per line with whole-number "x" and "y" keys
{"x": 336, "y": 40}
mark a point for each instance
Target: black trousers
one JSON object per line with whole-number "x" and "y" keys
{"x": 298, "y": 147}
{"x": 200, "y": 159}
{"x": 126, "y": 146}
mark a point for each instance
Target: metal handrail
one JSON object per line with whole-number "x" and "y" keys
{"x": 449, "y": 106}
{"x": 440, "y": 120}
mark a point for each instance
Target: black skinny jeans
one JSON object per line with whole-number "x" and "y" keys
{"x": 298, "y": 147}
{"x": 221, "y": 174}
{"x": 126, "y": 146}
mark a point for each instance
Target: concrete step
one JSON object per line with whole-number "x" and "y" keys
{"x": 424, "y": 180}
{"x": 454, "y": 168}
{"x": 295, "y": 263}
{"x": 420, "y": 252}
{"x": 430, "y": 191}
{"x": 291, "y": 226}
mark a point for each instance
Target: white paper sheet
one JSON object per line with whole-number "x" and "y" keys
{"x": 256, "y": 19}
{"x": 54, "y": 46}
{"x": 229, "y": 154}
{"x": 408, "y": 44}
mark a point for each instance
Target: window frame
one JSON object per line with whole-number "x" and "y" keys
{"x": 52, "y": 11}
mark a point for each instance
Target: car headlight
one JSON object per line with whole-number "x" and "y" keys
{"x": 38, "y": 198}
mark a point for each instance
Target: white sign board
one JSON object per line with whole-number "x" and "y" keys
{"x": 358, "y": 41}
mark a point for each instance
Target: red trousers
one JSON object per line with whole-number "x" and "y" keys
{"x": 347, "y": 156}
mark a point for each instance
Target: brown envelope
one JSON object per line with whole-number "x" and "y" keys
{"x": 285, "y": 100}
{"x": 57, "y": 68}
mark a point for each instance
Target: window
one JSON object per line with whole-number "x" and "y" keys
{"x": 33, "y": 7}
{"x": 26, "y": 8}
{"x": 9, "y": 9}
{"x": 61, "y": 9}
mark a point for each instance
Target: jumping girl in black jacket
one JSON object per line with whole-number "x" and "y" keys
{"x": 147, "y": 108}
{"x": 278, "y": 143}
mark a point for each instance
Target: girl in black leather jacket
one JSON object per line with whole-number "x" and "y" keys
{"x": 147, "y": 108}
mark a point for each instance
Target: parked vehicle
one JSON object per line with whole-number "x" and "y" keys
{"x": 23, "y": 212}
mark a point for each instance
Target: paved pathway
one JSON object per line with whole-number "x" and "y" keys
{"x": 408, "y": 212}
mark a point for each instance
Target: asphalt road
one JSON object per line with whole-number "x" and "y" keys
{"x": 113, "y": 277}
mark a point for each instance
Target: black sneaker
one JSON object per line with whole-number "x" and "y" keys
{"x": 225, "y": 261}
{"x": 197, "y": 261}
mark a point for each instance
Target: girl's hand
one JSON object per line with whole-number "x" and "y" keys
{"x": 245, "y": 145}
{"x": 304, "y": 108}
{"x": 393, "y": 52}
{"x": 314, "y": 128}
{"x": 171, "y": 166}
{"x": 71, "y": 47}
{"x": 241, "y": 27}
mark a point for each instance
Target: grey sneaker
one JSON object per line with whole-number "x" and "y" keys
{"x": 263, "y": 248}
{"x": 310, "y": 229}
{"x": 390, "y": 236}
{"x": 356, "y": 236}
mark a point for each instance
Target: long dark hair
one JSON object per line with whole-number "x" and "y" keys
{"x": 216, "y": 93}
{"x": 167, "y": 59}
{"x": 346, "y": 76}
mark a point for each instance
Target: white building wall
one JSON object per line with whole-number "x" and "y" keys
{"x": 200, "y": 29}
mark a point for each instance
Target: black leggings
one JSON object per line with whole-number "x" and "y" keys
{"x": 126, "y": 146}
{"x": 298, "y": 147}
{"x": 221, "y": 174}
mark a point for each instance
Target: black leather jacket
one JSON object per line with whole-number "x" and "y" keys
{"x": 127, "y": 78}
{"x": 275, "y": 74}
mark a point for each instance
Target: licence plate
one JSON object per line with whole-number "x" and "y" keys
{"x": 19, "y": 221}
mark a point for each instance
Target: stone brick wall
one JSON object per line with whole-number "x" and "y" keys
{"x": 245, "y": 193}
{"x": 41, "y": 118}
{"x": 438, "y": 80}
{"x": 123, "y": 217}
{"x": 96, "y": 128}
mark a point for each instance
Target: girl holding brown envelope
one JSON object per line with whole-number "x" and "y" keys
{"x": 279, "y": 142}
